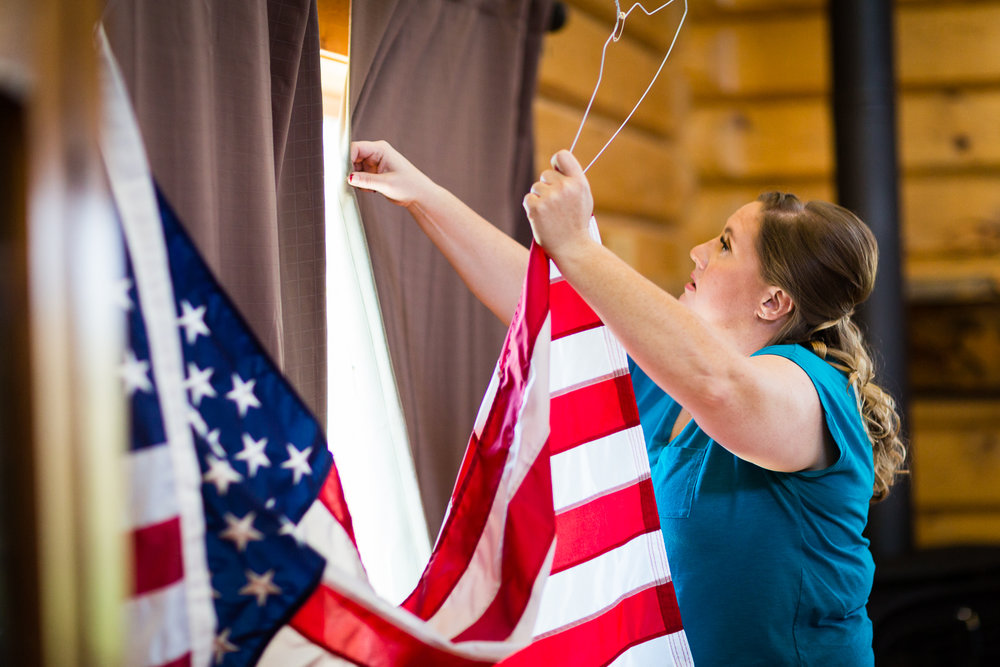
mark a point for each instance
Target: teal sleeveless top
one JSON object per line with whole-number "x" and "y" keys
{"x": 770, "y": 568}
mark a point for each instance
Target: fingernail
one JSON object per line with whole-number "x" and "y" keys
{"x": 350, "y": 178}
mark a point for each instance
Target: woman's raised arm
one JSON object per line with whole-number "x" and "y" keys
{"x": 491, "y": 263}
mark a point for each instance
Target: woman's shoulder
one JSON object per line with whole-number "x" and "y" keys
{"x": 838, "y": 399}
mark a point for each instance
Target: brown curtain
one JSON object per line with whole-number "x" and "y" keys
{"x": 228, "y": 99}
{"x": 450, "y": 84}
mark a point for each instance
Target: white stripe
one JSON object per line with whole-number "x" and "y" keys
{"x": 669, "y": 651}
{"x": 597, "y": 467}
{"x": 597, "y": 584}
{"x": 321, "y": 531}
{"x": 156, "y": 634}
{"x": 132, "y": 186}
{"x": 152, "y": 498}
{"x": 481, "y": 580}
{"x": 580, "y": 358}
{"x": 615, "y": 350}
{"x": 487, "y": 403}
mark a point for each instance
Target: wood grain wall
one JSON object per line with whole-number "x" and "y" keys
{"x": 743, "y": 107}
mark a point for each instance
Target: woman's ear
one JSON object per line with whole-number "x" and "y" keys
{"x": 777, "y": 303}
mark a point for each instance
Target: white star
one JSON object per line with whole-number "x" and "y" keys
{"x": 197, "y": 422}
{"x": 193, "y": 322}
{"x": 121, "y": 297}
{"x": 221, "y": 474}
{"x": 221, "y": 646}
{"x": 197, "y": 382}
{"x": 241, "y": 531}
{"x": 290, "y": 529}
{"x": 297, "y": 462}
{"x": 260, "y": 585}
{"x": 212, "y": 438}
{"x": 135, "y": 374}
{"x": 242, "y": 395}
{"x": 253, "y": 454}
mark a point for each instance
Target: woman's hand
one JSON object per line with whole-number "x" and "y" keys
{"x": 559, "y": 206}
{"x": 379, "y": 167}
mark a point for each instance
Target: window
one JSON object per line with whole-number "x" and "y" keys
{"x": 366, "y": 430}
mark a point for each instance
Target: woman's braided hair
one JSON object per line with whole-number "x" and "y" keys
{"x": 825, "y": 257}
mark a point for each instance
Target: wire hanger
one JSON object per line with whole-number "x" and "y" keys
{"x": 616, "y": 34}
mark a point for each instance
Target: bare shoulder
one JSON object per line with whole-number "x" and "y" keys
{"x": 790, "y": 433}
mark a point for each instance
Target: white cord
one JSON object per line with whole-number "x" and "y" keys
{"x": 616, "y": 34}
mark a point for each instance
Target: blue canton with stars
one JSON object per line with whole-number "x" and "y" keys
{"x": 262, "y": 454}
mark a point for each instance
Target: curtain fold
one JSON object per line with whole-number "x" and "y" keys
{"x": 450, "y": 84}
{"x": 229, "y": 104}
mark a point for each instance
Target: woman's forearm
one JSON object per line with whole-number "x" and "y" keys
{"x": 491, "y": 263}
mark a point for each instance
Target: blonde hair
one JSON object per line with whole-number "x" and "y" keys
{"x": 826, "y": 258}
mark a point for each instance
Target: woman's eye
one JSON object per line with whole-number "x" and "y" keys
{"x": 725, "y": 243}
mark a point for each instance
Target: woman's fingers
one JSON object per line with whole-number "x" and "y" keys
{"x": 366, "y": 181}
{"x": 566, "y": 163}
{"x": 559, "y": 204}
{"x": 381, "y": 168}
{"x": 367, "y": 155}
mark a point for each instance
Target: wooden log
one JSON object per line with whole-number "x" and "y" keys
{"x": 955, "y": 279}
{"x": 792, "y": 138}
{"x": 948, "y": 44}
{"x": 955, "y": 347}
{"x": 937, "y": 44}
{"x": 778, "y": 56}
{"x": 956, "y": 454}
{"x": 657, "y": 251}
{"x": 763, "y": 140}
{"x": 717, "y": 8}
{"x": 950, "y": 128}
{"x": 951, "y": 215}
{"x": 639, "y": 174}
{"x": 939, "y": 529}
{"x": 571, "y": 64}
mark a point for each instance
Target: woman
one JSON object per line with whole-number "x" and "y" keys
{"x": 766, "y": 436}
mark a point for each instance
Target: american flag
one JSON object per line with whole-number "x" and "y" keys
{"x": 609, "y": 598}
{"x": 243, "y": 544}
{"x": 244, "y": 549}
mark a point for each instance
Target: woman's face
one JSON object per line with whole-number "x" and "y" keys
{"x": 726, "y": 287}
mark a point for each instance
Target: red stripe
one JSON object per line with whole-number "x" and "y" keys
{"x": 604, "y": 523}
{"x": 570, "y": 313}
{"x": 592, "y": 412}
{"x": 528, "y": 534}
{"x": 648, "y": 614}
{"x": 331, "y": 494}
{"x": 183, "y": 661}
{"x": 346, "y": 628}
{"x": 487, "y": 455}
{"x": 159, "y": 560}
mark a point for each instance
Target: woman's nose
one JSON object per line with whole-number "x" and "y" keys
{"x": 697, "y": 255}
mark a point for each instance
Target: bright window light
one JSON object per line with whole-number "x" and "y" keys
{"x": 365, "y": 425}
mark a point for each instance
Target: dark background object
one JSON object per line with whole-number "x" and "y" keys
{"x": 867, "y": 183}
{"x": 20, "y": 642}
{"x": 938, "y": 607}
